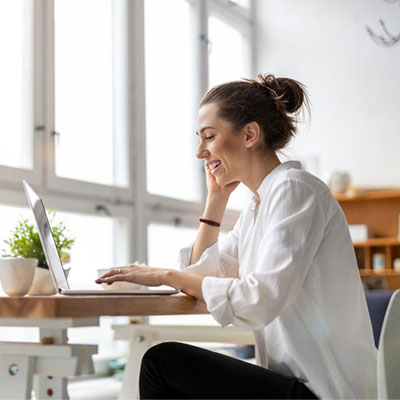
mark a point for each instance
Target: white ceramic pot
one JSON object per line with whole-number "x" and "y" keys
{"x": 339, "y": 181}
{"x": 43, "y": 283}
{"x": 16, "y": 275}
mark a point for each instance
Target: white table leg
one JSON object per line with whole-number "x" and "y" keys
{"x": 138, "y": 345}
{"x": 48, "y": 362}
{"x": 15, "y": 377}
{"x": 49, "y": 387}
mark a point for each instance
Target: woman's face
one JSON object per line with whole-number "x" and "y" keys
{"x": 223, "y": 151}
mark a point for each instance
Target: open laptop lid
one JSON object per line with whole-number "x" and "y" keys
{"x": 46, "y": 238}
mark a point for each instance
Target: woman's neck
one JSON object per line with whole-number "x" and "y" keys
{"x": 258, "y": 169}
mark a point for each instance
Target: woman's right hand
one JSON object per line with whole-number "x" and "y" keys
{"x": 214, "y": 210}
{"x": 214, "y": 189}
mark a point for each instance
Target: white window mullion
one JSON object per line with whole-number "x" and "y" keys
{"x": 48, "y": 70}
{"x": 27, "y": 83}
{"x": 137, "y": 126}
{"x": 161, "y": 202}
{"x": 120, "y": 100}
{"x": 254, "y": 34}
{"x": 202, "y": 46}
{"x": 39, "y": 89}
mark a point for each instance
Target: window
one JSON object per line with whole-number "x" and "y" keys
{"x": 170, "y": 109}
{"x": 229, "y": 61}
{"x": 99, "y": 102}
{"x": 86, "y": 66}
{"x": 165, "y": 241}
{"x": 93, "y": 248}
{"x": 16, "y": 105}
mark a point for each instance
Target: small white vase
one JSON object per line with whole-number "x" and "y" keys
{"x": 339, "y": 181}
{"x": 17, "y": 274}
{"x": 43, "y": 283}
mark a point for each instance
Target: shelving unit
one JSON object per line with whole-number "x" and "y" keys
{"x": 380, "y": 211}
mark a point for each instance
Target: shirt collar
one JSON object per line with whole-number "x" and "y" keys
{"x": 262, "y": 189}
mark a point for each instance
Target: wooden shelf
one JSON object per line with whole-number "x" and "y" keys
{"x": 368, "y": 195}
{"x": 383, "y": 272}
{"x": 380, "y": 211}
{"x": 377, "y": 242}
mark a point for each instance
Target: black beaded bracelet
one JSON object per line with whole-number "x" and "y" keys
{"x": 209, "y": 222}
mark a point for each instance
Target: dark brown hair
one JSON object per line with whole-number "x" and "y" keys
{"x": 274, "y": 103}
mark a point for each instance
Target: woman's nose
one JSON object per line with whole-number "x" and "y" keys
{"x": 201, "y": 151}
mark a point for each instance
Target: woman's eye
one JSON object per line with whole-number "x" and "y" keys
{"x": 208, "y": 138}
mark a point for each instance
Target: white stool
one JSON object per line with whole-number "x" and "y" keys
{"x": 142, "y": 336}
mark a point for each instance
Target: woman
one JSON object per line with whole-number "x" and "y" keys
{"x": 287, "y": 270}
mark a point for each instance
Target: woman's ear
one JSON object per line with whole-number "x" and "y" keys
{"x": 251, "y": 134}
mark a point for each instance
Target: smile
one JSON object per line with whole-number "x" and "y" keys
{"x": 214, "y": 165}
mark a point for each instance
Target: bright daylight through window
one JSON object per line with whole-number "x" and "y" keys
{"x": 16, "y": 105}
{"x": 170, "y": 108}
{"x": 228, "y": 62}
{"x": 163, "y": 253}
{"x": 75, "y": 76}
{"x": 86, "y": 72}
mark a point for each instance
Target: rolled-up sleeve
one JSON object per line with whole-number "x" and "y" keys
{"x": 219, "y": 260}
{"x": 207, "y": 265}
{"x": 294, "y": 224}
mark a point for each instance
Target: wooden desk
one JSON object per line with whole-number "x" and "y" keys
{"x": 52, "y": 360}
{"x": 97, "y": 306}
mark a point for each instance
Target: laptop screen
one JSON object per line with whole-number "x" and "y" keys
{"x": 46, "y": 238}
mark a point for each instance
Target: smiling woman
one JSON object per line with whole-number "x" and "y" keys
{"x": 279, "y": 272}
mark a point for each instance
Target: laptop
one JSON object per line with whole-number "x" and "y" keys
{"x": 54, "y": 261}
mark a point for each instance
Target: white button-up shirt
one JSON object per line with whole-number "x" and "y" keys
{"x": 288, "y": 272}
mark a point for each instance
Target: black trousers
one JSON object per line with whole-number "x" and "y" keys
{"x": 179, "y": 371}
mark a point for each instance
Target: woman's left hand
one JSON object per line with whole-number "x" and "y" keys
{"x": 149, "y": 276}
{"x": 140, "y": 274}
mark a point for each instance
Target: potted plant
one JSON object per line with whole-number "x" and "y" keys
{"x": 24, "y": 242}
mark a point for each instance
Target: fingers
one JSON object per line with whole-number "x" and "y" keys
{"x": 112, "y": 272}
{"x": 119, "y": 273}
{"x": 207, "y": 168}
{"x": 115, "y": 272}
{"x": 110, "y": 279}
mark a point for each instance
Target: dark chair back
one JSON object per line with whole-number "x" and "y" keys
{"x": 377, "y": 301}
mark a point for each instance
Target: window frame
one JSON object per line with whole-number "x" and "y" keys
{"x": 134, "y": 203}
{"x": 58, "y": 183}
{"x": 12, "y": 176}
{"x": 240, "y": 20}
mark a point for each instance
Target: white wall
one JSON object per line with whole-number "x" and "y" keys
{"x": 354, "y": 84}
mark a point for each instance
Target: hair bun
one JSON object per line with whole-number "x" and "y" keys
{"x": 273, "y": 103}
{"x": 289, "y": 92}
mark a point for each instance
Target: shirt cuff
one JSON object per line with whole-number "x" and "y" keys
{"x": 215, "y": 294}
{"x": 207, "y": 264}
